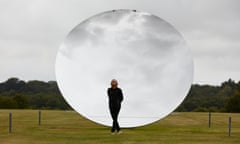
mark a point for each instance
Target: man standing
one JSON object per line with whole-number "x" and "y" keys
{"x": 115, "y": 98}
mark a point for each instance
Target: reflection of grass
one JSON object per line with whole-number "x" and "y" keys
{"x": 61, "y": 127}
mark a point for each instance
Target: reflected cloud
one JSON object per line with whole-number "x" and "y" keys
{"x": 145, "y": 53}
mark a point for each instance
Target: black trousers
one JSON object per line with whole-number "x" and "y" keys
{"x": 114, "y": 110}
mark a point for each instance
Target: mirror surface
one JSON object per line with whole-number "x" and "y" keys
{"x": 147, "y": 56}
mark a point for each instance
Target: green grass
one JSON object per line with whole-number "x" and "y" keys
{"x": 67, "y": 127}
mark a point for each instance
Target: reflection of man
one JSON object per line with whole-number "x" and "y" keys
{"x": 115, "y": 98}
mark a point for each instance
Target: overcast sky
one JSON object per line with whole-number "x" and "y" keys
{"x": 31, "y": 32}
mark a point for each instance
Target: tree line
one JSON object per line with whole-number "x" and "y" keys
{"x": 223, "y": 98}
{"x": 18, "y": 94}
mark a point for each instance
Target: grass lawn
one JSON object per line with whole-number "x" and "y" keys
{"x": 67, "y": 127}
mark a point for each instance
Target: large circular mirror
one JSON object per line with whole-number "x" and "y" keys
{"x": 147, "y": 56}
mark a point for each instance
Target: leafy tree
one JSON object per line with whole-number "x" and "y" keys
{"x": 7, "y": 103}
{"x": 233, "y": 104}
{"x": 21, "y": 101}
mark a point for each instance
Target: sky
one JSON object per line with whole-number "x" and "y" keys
{"x": 144, "y": 53}
{"x": 31, "y": 32}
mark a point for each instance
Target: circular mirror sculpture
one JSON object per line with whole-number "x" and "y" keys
{"x": 146, "y": 54}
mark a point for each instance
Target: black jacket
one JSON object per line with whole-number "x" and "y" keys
{"x": 115, "y": 95}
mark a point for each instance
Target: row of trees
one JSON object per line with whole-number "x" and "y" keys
{"x": 223, "y": 98}
{"x": 15, "y": 93}
{"x": 18, "y": 94}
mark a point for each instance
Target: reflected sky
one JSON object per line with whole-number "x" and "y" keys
{"x": 144, "y": 53}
